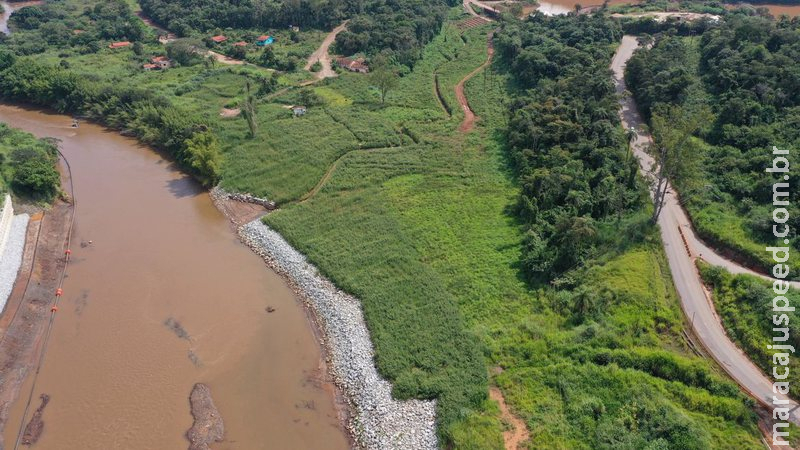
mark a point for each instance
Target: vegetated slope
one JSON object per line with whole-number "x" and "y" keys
{"x": 415, "y": 220}
{"x": 597, "y": 362}
{"x": 603, "y": 340}
{"x": 744, "y": 304}
{"x": 746, "y": 70}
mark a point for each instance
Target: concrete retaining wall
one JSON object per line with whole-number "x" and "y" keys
{"x": 6, "y": 217}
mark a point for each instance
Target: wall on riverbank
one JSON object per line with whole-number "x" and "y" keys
{"x": 11, "y": 257}
{"x": 6, "y": 217}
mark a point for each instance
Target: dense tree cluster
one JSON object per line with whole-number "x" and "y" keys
{"x": 746, "y": 70}
{"x": 28, "y": 165}
{"x": 565, "y": 139}
{"x": 187, "y": 16}
{"x": 399, "y": 27}
{"x": 53, "y": 25}
{"x": 152, "y": 119}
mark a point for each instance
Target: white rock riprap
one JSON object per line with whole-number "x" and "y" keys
{"x": 378, "y": 421}
{"x": 11, "y": 258}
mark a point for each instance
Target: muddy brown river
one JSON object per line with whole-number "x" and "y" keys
{"x": 117, "y": 376}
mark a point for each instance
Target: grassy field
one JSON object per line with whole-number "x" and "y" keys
{"x": 414, "y": 218}
{"x": 422, "y": 234}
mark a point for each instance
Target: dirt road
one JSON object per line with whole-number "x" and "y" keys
{"x": 223, "y": 59}
{"x": 469, "y": 116}
{"x": 322, "y": 55}
{"x": 518, "y": 433}
{"x": 673, "y": 223}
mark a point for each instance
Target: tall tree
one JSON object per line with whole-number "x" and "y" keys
{"x": 677, "y": 156}
{"x": 383, "y": 77}
{"x": 249, "y": 109}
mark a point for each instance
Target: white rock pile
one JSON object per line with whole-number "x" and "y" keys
{"x": 378, "y": 421}
{"x": 11, "y": 258}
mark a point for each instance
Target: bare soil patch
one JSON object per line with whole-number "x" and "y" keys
{"x": 519, "y": 432}
{"x": 228, "y": 113}
{"x": 469, "y": 116}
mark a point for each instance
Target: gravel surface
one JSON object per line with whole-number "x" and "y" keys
{"x": 12, "y": 257}
{"x": 377, "y": 420}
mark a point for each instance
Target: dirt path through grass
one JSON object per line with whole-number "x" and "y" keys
{"x": 469, "y": 116}
{"x": 519, "y": 430}
{"x": 321, "y": 54}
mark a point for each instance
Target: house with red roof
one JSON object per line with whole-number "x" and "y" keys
{"x": 161, "y": 61}
{"x": 353, "y": 65}
{"x": 240, "y": 44}
{"x": 264, "y": 40}
{"x": 119, "y": 44}
{"x": 219, "y": 39}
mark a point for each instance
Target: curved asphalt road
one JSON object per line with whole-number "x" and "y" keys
{"x": 680, "y": 245}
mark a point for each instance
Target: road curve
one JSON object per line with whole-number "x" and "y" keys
{"x": 679, "y": 243}
{"x": 321, "y": 54}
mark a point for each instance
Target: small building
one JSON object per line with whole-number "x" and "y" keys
{"x": 240, "y": 44}
{"x": 299, "y": 111}
{"x": 119, "y": 44}
{"x": 149, "y": 67}
{"x": 264, "y": 40}
{"x": 161, "y": 61}
{"x": 219, "y": 39}
{"x": 353, "y": 65}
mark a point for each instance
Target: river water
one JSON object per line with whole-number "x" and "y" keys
{"x": 118, "y": 377}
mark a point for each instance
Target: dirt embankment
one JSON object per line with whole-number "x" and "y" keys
{"x": 208, "y": 426}
{"x": 25, "y": 318}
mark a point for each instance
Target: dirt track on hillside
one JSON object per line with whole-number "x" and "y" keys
{"x": 469, "y": 116}
{"x": 322, "y": 55}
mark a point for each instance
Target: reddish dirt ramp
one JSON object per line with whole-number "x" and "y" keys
{"x": 469, "y": 116}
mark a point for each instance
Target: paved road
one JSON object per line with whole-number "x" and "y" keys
{"x": 322, "y": 55}
{"x": 675, "y": 228}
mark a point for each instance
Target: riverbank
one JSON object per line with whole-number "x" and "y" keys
{"x": 378, "y": 421}
{"x": 261, "y": 367}
{"x": 11, "y": 256}
{"x": 370, "y": 414}
{"x": 24, "y": 320}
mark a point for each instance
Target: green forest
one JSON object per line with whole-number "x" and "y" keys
{"x": 519, "y": 255}
{"x": 398, "y": 28}
{"x": 746, "y": 71}
{"x": 28, "y": 166}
